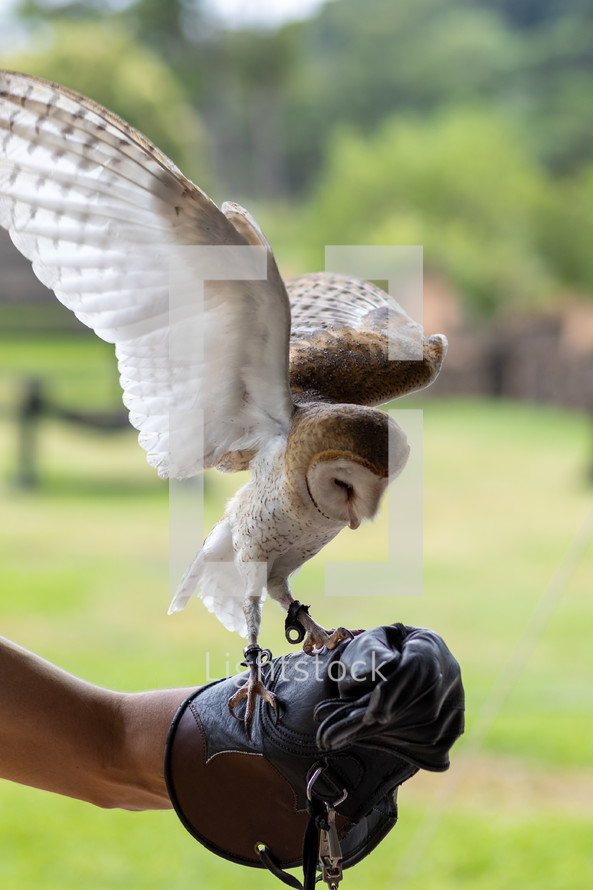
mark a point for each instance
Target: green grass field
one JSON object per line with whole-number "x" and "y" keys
{"x": 507, "y": 487}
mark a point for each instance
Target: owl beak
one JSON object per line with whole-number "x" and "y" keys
{"x": 354, "y": 520}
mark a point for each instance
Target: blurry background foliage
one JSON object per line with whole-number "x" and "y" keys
{"x": 476, "y": 113}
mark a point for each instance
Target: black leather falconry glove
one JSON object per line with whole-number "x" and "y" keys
{"x": 316, "y": 784}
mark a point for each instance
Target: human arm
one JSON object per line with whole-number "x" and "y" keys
{"x": 62, "y": 734}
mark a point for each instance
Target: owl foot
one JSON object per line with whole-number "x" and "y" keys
{"x": 300, "y": 626}
{"x": 317, "y": 637}
{"x": 253, "y": 688}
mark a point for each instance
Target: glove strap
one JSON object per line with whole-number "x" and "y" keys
{"x": 321, "y": 845}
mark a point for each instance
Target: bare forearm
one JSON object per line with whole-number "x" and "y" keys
{"x": 62, "y": 734}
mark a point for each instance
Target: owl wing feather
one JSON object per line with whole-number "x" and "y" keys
{"x": 353, "y": 343}
{"x": 111, "y": 225}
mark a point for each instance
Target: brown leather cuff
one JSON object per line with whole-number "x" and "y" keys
{"x": 234, "y": 801}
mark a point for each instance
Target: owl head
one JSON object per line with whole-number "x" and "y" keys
{"x": 345, "y": 456}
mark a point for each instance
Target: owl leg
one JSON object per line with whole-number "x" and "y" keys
{"x": 253, "y": 688}
{"x": 300, "y": 626}
{"x": 315, "y": 636}
{"x": 255, "y": 657}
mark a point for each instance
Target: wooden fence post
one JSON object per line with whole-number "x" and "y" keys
{"x": 29, "y": 412}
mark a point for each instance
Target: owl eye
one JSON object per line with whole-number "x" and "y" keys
{"x": 341, "y": 484}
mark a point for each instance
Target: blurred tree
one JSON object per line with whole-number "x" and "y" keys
{"x": 554, "y": 81}
{"x": 559, "y": 86}
{"x": 103, "y": 62}
{"x": 358, "y": 67}
{"x": 527, "y": 13}
{"x": 565, "y": 228}
{"x": 245, "y": 104}
{"x": 171, "y": 28}
{"x": 461, "y": 183}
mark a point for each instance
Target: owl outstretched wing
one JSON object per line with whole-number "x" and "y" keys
{"x": 124, "y": 240}
{"x": 353, "y": 343}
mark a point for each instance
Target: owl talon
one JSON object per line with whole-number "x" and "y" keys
{"x": 318, "y": 637}
{"x": 253, "y": 688}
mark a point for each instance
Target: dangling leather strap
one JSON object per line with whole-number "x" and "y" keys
{"x": 271, "y": 863}
{"x": 317, "y": 812}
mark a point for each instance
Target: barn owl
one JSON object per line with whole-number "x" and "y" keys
{"x": 287, "y": 377}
